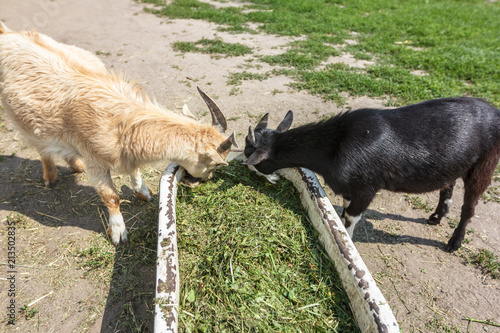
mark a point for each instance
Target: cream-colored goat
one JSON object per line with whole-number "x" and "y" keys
{"x": 64, "y": 102}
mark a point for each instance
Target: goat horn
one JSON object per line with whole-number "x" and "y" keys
{"x": 226, "y": 144}
{"x": 218, "y": 119}
{"x": 251, "y": 135}
{"x": 262, "y": 123}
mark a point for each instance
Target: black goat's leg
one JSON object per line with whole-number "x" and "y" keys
{"x": 468, "y": 209}
{"x": 353, "y": 210}
{"x": 475, "y": 183}
{"x": 443, "y": 206}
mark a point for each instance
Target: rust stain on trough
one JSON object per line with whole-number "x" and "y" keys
{"x": 167, "y": 287}
{"x": 316, "y": 194}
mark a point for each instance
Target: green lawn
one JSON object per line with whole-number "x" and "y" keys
{"x": 456, "y": 44}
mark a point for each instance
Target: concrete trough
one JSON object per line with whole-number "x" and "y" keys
{"x": 370, "y": 309}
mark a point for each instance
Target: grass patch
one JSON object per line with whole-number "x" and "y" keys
{"x": 28, "y": 312}
{"x": 492, "y": 194}
{"x": 483, "y": 259}
{"x": 418, "y": 203}
{"x": 18, "y": 220}
{"x": 100, "y": 255}
{"x": 306, "y": 54}
{"x": 216, "y": 47}
{"x": 237, "y": 78}
{"x": 250, "y": 260}
{"x": 460, "y": 59}
{"x": 488, "y": 262}
{"x": 438, "y": 324}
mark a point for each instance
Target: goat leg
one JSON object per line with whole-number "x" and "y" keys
{"x": 101, "y": 180}
{"x": 443, "y": 206}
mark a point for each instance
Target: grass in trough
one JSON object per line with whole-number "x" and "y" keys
{"x": 250, "y": 260}
{"x": 452, "y": 45}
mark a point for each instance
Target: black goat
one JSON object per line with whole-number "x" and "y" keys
{"x": 417, "y": 148}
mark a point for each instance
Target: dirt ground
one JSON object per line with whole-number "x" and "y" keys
{"x": 428, "y": 289}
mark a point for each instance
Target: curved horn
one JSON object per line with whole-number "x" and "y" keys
{"x": 218, "y": 119}
{"x": 251, "y": 135}
{"x": 226, "y": 144}
{"x": 262, "y": 123}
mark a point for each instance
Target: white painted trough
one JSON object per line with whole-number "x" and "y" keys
{"x": 370, "y": 309}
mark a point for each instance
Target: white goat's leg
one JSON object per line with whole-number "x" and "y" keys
{"x": 75, "y": 164}
{"x": 101, "y": 180}
{"x": 49, "y": 170}
{"x": 140, "y": 188}
{"x": 48, "y": 165}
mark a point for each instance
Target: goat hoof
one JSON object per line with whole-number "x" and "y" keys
{"x": 434, "y": 219}
{"x": 118, "y": 238}
{"x": 49, "y": 182}
{"x": 117, "y": 230}
{"x": 144, "y": 196}
{"x": 453, "y": 244}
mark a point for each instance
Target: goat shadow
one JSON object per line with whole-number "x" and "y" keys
{"x": 367, "y": 232}
{"x": 69, "y": 204}
{"x": 22, "y": 190}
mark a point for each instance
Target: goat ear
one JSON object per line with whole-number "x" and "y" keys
{"x": 218, "y": 119}
{"x": 262, "y": 125}
{"x": 258, "y": 156}
{"x": 226, "y": 144}
{"x": 187, "y": 113}
{"x": 285, "y": 123}
{"x": 215, "y": 156}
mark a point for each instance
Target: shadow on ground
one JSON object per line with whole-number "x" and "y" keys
{"x": 129, "y": 303}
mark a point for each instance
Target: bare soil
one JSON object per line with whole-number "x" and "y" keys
{"x": 428, "y": 289}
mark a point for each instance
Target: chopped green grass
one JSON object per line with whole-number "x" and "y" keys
{"x": 250, "y": 260}
{"x": 216, "y": 47}
{"x": 454, "y": 42}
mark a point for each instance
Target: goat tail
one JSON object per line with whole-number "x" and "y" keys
{"x": 3, "y": 28}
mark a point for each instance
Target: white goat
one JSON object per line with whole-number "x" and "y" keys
{"x": 64, "y": 102}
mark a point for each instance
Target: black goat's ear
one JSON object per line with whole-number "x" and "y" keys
{"x": 285, "y": 123}
{"x": 258, "y": 156}
{"x": 262, "y": 125}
